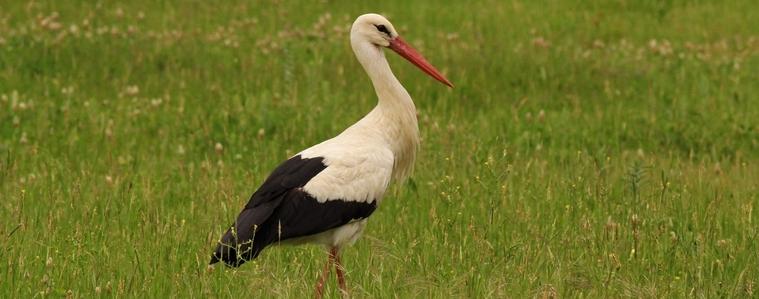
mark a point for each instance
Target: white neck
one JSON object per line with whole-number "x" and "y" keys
{"x": 394, "y": 118}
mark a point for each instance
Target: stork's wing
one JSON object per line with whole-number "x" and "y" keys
{"x": 281, "y": 209}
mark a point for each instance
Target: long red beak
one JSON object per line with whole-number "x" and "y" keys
{"x": 402, "y": 48}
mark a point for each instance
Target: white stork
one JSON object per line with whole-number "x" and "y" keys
{"x": 325, "y": 193}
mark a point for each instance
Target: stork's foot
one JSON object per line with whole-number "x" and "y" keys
{"x": 339, "y": 270}
{"x": 320, "y": 284}
{"x": 334, "y": 258}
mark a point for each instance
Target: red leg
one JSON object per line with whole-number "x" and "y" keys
{"x": 339, "y": 270}
{"x": 323, "y": 278}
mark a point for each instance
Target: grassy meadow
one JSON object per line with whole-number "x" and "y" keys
{"x": 595, "y": 149}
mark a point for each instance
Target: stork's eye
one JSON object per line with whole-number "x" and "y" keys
{"x": 383, "y": 29}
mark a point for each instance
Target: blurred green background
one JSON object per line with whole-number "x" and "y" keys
{"x": 589, "y": 149}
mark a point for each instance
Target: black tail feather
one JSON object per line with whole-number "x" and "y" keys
{"x": 254, "y": 230}
{"x": 234, "y": 249}
{"x": 245, "y": 240}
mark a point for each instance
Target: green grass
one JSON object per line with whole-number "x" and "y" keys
{"x": 589, "y": 149}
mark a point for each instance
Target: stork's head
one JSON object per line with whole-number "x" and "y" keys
{"x": 378, "y": 31}
{"x": 375, "y": 29}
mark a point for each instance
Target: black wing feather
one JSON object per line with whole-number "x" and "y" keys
{"x": 281, "y": 210}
